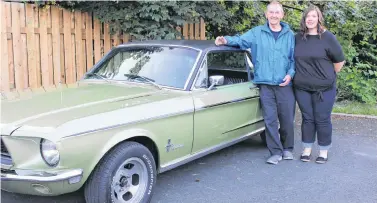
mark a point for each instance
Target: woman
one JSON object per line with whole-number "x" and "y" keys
{"x": 319, "y": 57}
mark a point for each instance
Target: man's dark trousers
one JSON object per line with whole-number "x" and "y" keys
{"x": 278, "y": 106}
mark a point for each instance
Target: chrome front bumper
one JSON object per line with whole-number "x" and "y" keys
{"x": 41, "y": 183}
{"x": 66, "y": 175}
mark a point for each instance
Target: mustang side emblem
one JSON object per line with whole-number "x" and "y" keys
{"x": 171, "y": 146}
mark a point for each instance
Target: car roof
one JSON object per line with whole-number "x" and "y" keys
{"x": 203, "y": 45}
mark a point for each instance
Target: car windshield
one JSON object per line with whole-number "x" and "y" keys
{"x": 160, "y": 66}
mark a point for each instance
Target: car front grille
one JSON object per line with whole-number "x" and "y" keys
{"x": 8, "y": 171}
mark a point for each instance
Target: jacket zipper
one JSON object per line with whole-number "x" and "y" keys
{"x": 274, "y": 42}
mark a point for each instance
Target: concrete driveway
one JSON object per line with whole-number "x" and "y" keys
{"x": 239, "y": 173}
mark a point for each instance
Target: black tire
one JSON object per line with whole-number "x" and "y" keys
{"x": 263, "y": 138}
{"x": 98, "y": 186}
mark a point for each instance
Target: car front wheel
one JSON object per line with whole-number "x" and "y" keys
{"x": 126, "y": 174}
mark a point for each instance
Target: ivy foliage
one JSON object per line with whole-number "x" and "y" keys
{"x": 146, "y": 20}
{"x": 141, "y": 19}
{"x": 353, "y": 22}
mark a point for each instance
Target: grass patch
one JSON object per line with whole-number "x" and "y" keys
{"x": 355, "y": 108}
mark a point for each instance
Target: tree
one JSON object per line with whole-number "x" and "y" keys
{"x": 353, "y": 22}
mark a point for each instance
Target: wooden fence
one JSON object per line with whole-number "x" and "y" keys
{"x": 42, "y": 48}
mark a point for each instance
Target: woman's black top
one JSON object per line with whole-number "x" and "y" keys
{"x": 314, "y": 58}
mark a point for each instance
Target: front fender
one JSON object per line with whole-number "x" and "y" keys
{"x": 125, "y": 135}
{"x": 96, "y": 146}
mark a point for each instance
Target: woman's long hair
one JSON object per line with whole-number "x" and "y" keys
{"x": 320, "y": 28}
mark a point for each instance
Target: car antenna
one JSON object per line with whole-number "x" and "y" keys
{"x": 61, "y": 92}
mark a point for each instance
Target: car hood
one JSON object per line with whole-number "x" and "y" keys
{"x": 48, "y": 110}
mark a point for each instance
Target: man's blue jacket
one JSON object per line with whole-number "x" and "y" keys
{"x": 272, "y": 59}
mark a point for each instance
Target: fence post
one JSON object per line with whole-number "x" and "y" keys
{"x": 40, "y": 47}
{"x": 4, "y": 71}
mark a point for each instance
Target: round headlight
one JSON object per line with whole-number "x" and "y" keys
{"x": 49, "y": 152}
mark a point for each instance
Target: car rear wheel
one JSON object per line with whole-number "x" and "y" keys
{"x": 263, "y": 138}
{"x": 126, "y": 174}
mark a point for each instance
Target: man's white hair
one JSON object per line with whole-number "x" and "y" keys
{"x": 275, "y": 3}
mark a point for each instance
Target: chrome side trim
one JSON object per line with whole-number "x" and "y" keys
{"x": 130, "y": 123}
{"x": 226, "y": 102}
{"x": 189, "y": 158}
{"x": 244, "y": 126}
{"x": 54, "y": 178}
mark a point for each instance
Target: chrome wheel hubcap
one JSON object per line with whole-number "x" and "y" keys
{"x": 130, "y": 181}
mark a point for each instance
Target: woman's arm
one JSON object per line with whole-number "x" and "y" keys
{"x": 335, "y": 53}
{"x": 338, "y": 66}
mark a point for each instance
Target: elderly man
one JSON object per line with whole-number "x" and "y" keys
{"x": 272, "y": 47}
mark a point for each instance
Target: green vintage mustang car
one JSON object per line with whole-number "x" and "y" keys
{"x": 145, "y": 108}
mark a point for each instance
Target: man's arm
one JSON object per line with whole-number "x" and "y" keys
{"x": 244, "y": 41}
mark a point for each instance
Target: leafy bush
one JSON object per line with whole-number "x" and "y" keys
{"x": 352, "y": 85}
{"x": 355, "y": 25}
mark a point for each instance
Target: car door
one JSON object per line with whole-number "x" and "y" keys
{"x": 229, "y": 111}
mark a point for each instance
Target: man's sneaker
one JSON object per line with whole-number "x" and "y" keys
{"x": 274, "y": 159}
{"x": 287, "y": 155}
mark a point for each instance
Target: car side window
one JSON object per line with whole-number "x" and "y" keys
{"x": 230, "y": 64}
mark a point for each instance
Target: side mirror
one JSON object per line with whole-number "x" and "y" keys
{"x": 215, "y": 80}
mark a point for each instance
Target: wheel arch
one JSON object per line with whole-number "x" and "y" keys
{"x": 146, "y": 141}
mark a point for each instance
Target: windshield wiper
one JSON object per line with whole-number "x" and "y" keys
{"x": 144, "y": 78}
{"x": 98, "y": 76}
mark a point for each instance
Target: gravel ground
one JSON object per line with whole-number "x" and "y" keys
{"x": 239, "y": 173}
